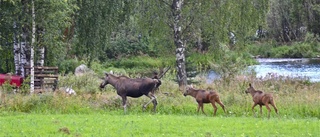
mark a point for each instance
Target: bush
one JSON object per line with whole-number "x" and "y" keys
{"x": 281, "y": 52}
{"x": 87, "y": 83}
{"x": 308, "y": 49}
{"x": 68, "y": 66}
{"x": 296, "y": 50}
{"x": 125, "y": 48}
{"x": 231, "y": 63}
{"x": 139, "y": 64}
{"x": 264, "y": 50}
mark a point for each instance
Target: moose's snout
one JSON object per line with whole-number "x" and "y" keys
{"x": 247, "y": 91}
{"x": 184, "y": 94}
{"x": 102, "y": 85}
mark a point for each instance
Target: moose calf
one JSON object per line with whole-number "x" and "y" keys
{"x": 203, "y": 96}
{"x": 260, "y": 98}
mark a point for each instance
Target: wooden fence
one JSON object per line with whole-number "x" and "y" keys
{"x": 45, "y": 78}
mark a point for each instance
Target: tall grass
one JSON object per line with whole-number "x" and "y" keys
{"x": 294, "y": 98}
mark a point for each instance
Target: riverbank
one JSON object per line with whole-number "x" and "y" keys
{"x": 304, "y": 49}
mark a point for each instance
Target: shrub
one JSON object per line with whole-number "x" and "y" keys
{"x": 68, "y": 66}
{"x": 87, "y": 83}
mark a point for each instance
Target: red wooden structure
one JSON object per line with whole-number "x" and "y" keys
{"x": 14, "y": 80}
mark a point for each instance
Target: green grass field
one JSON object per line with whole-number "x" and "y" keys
{"x": 147, "y": 124}
{"x": 95, "y": 112}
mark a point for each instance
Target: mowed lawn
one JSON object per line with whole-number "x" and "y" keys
{"x": 112, "y": 125}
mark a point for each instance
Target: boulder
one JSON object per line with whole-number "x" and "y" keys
{"x": 67, "y": 90}
{"x": 82, "y": 69}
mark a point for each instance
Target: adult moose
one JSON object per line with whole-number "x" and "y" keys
{"x": 203, "y": 96}
{"x": 260, "y": 98}
{"x": 135, "y": 88}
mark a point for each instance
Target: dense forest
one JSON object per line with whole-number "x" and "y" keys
{"x": 155, "y": 33}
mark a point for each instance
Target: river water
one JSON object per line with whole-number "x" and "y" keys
{"x": 296, "y": 68}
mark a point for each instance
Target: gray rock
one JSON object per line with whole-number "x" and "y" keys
{"x": 82, "y": 69}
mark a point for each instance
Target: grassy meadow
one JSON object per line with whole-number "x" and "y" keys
{"x": 146, "y": 124}
{"x": 95, "y": 112}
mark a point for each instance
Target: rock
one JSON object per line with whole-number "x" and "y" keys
{"x": 68, "y": 90}
{"x": 82, "y": 69}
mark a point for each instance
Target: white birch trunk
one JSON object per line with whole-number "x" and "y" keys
{"x": 32, "y": 49}
{"x": 23, "y": 56}
{"x": 41, "y": 49}
{"x": 179, "y": 43}
{"x": 40, "y": 62}
{"x": 16, "y": 51}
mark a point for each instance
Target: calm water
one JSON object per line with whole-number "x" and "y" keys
{"x": 308, "y": 68}
{"x": 304, "y": 68}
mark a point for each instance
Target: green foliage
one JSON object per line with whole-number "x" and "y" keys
{"x": 289, "y": 21}
{"x": 295, "y": 50}
{"x": 45, "y": 103}
{"x": 282, "y": 51}
{"x": 125, "y": 48}
{"x": 298, "y": 50}
{"x": 95, "y": 22}
{"x": 6, "y": 87}
{"x": 200, "y": 62}
{"x": 311, "y": 38}
{"x": 25, "y": 87}
{"x": 230, "y": 63}
{"x": 138, "y": 64}
{"x": 261, "y": 49}
{"x": 98, "y": 68}
{"x": 68, "y": 66}
{"x": 86, "y": 83}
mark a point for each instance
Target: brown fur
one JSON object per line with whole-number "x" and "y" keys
{"x": 260, "y": 98}
{"x": 203, "y": 96}
{"x": 135, "y": 88}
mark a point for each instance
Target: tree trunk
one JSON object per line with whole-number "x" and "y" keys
{"x": 16, "y": 50}
{"x": 41, "y": 49}
{"x": 179, "y": 43}
{"x": 23, "y": 56}
{"x": 23, "y": 42}
{"x": 40, "y": 61}
{"x": 32, "y": 49}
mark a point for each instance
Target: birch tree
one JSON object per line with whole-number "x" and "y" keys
{"x": 32, "y": 48}
{"x": 179, "y": 43}
{"x": 41, "y": 47}
{"x": 16, "y": 50}
{"x": 24, "y": 32}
